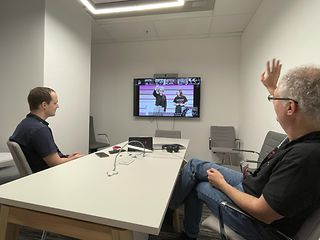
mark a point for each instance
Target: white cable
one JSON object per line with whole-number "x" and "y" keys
{"x": 114, "y": 170}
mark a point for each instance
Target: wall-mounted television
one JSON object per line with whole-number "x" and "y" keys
{"x": 167, "y": 97}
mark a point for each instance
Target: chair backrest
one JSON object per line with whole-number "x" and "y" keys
{"x": 223, "y": 136}
{"x": 310, "y": 229}
{"x": 168, "y": 133}
{"x": 92, "y": 137}
{"x": 19, "y": 158}
{"x": 272, "y": 140}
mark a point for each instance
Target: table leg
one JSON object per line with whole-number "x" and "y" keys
{"x": 8, "y": 231}
{"x": 176, "y": 221}
{"x": 122, "y": 235}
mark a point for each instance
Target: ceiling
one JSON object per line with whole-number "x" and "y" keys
{"x": 196, "y": 19}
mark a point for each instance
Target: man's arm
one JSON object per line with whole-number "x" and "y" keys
{"x": 155, "y": 93}
{"x": 185, "y": 99}
{"x": 54, "y": 159}
{"x": 256, "y": 207}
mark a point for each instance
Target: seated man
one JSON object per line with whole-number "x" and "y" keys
{"x": 284, "y": 190}
{"x": 34, "y": 135}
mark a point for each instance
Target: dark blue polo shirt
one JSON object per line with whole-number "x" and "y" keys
{"x": 36, "y": 141}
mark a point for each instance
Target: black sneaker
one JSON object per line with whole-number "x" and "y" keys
{"x": 184, "y": 236}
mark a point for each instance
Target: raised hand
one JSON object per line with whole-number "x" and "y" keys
{"x": 270, "y": 76}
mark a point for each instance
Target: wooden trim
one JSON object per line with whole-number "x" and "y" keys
{"x": 61, "y": 225}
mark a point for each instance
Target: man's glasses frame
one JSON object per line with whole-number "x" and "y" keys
{"x": 271, "y": 97}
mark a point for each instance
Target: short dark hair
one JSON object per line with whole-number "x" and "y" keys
{"x": 39, "y": 95}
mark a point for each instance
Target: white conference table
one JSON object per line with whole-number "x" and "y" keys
{"x": 78, "y": 199}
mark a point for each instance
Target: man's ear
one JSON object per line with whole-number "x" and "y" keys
{"x": 43, "y": 105}
{"x": 292, "y": 107}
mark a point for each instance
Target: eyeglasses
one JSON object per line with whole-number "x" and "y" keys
{"x": 271, "y": 97}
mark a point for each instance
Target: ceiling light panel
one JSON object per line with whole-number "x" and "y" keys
{"x": 134, "y": 6}
{"x": 106, "y": 1}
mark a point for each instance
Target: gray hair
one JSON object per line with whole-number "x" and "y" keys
{"x": 303, "y": 85}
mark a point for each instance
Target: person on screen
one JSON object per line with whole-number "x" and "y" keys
{"x": 161, "y": 100}
{"x": 282, "y": 193}
{"x": 179, "y": 102}
{"x": 34, "y": 135}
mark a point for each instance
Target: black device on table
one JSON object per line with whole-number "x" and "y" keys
{"x": 116, "y": 151}
{"x": 172, "y": 147}
{"x": 101, "y": 154}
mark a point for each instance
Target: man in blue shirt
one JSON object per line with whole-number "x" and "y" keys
{"x": 34, "y": 135}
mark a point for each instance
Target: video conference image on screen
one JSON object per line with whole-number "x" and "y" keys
{"x": 169, "y": 97}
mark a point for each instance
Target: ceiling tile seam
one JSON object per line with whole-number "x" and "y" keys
{"x": 155, "y": 29}
{"x": 210, "y": 36}
{"x": 252, "y": 16}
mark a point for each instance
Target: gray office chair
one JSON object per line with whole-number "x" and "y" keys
{"x": 168, "y": 133}
{"x": 310, "y": 229}
{"x": 271, "y": 141}
{"x": 8, "y": 170}
{"x": 22, "y": 165}
{"x": 19, "y": 158}
{"x": 94, "y": 145}
{"x": 223, "y": 141}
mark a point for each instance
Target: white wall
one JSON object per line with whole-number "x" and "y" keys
{"x": 67, "y": 70}
{"x": 21, "y": 60}
{"x": 286, "y": 29}
{"x": 46, "y": 43}
{"x": 114, "y": 66}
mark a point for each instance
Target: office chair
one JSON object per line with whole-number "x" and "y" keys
{"x": 22, "y": 165}
{"x": 223, "y": 141}
{"x": 168, "y": 133}
{"x": 94, "y": 145}
{"x": 8, "y": 170}
{"x": 310, "y": 229}
{"x": 271, "y": 141}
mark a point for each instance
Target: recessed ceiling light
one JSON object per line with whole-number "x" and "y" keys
{"x": 93, "y": 10}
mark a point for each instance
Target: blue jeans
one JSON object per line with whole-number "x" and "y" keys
{"x": 193, "y": 189}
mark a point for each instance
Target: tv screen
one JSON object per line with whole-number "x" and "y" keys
{"x": 167, "y": 97}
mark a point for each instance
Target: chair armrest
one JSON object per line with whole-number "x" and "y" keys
{"x": 244, "y": 165}
{"x": 236, "y": 209}
{"x": 237, "y": 141}
{"x": 106, "y": 136}
{"x": 245, "y": 150}
{"x": 223, "y": 204}
{"x": 251, "y": 161}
